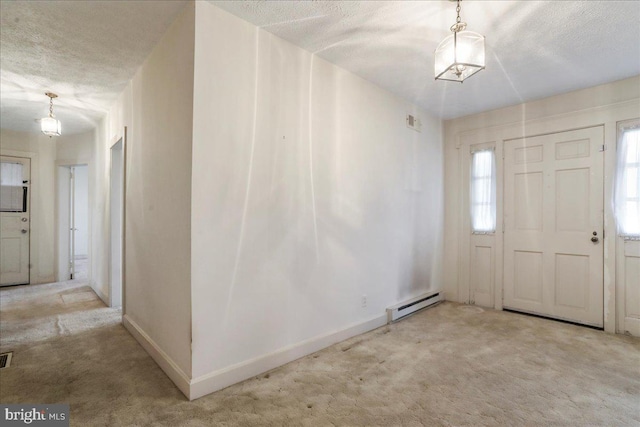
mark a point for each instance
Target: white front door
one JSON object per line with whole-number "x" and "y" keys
{"x": 553, "y": 225}
{"x": 15, "y": 173}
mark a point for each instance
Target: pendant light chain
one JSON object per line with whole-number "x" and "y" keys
{"x": 459, "y": 25}
{"x": 50, "y": 126}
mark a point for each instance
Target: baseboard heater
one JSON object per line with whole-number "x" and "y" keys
{"x": 406, "y": 308}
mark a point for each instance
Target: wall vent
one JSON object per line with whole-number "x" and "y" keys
{"x": 414, "y": 123}
{"x": 5, "y": 360}
{"x": 406, "y": 308}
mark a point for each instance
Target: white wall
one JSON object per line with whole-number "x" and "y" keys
{"x": 42, "y": 151}
{"x": 601, "y": 105}
{"x": 99, "y": 208}
{"x": 309, "y": 192}
{"x": 156, "y": 107}
{"x": 116, "y": 217}
{"x": 75, "y": 149}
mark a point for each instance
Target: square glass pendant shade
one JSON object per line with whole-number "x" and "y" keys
{"x": 459, "y": 56}
{"x": 50, "y": 126}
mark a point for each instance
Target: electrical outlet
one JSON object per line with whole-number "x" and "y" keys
{"x": 364, "y": 301}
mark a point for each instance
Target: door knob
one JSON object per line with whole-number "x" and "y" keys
{"x": 594, "y": 239}
{"x": 23, "y": 231}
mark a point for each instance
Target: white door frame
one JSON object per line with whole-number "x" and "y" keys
{"x": 608, "y": 116}
{"x": 113, "y": 294}
{"x": 62, "y": 218}
{"x": 63, "y": 206}
{"x": 35, "y": 276}
{"x": 25, "y": 215}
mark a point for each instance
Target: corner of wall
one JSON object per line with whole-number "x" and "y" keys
{"x": 173, "y": 371}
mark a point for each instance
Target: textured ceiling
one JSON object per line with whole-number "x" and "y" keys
{"x": 534, "y": 49}
{"x": 85, "y": 51}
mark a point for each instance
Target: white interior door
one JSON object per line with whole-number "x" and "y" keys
{"x": 15, "y": 175}
{"x": 553, "y": 225}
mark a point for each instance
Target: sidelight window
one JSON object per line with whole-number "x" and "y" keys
{"x": 627, "y": 197}
{"x": 483, "y": 191}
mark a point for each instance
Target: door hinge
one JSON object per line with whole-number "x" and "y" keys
{"x": 602, "y": 148}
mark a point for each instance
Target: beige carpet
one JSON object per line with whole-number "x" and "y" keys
{"x": 451, "y": 365}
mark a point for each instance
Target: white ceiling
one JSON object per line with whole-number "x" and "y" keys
{"x": 534, "y": 49}
{"x": 86, "y": 51}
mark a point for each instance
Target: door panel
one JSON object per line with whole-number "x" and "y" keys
{"x": 572, "y": 272}
{"x": 632, "y": 302}
{"x": 528, "y": 278}
{"x": 483, "y": 267}
{"x": 528, "y": 193}
{"x": 630, "y": 280}
{"x": 572, "y": 200}
{"x": 11, "y": 254}
{"x": 553, "y": 203}
{"x": 14, "y": 220}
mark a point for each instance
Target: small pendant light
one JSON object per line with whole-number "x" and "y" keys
{"x": 461, "y": 54}
{"x": 50, "y": 126}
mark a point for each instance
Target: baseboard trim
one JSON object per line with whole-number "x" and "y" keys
{"x": 217, "y": 380}
{"x": 180, "y": 379}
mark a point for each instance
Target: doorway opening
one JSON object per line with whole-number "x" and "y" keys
{"x": 73, "y": 222}
{"x": 116, "y": 233}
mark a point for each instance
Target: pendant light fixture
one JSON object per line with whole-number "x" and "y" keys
{"x": 50, "y": 126}
{"x": 461, "y": 54}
